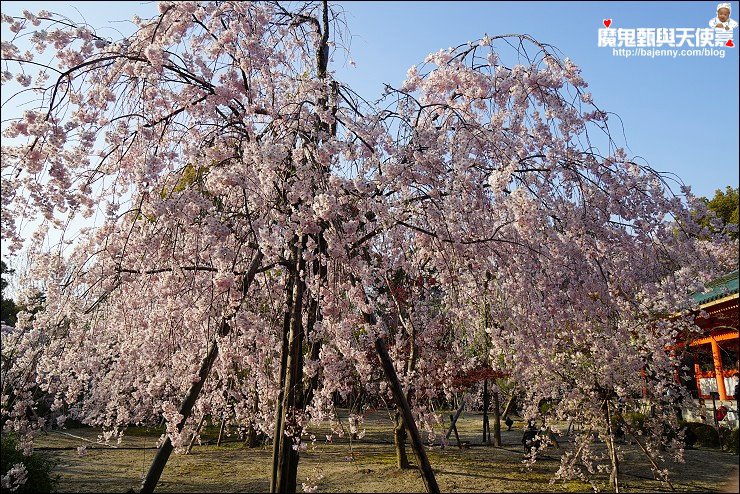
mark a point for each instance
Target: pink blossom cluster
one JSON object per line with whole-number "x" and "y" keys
{"x": 465, "y": 219}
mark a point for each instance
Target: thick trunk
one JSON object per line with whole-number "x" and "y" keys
{"x": 251, "y": 436}
{"x": 314, "y": 315}
{"x": 285, "y": 455}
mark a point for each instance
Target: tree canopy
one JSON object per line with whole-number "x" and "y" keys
{"x": 725, "y": 206}
{"x": 262, "y": 226}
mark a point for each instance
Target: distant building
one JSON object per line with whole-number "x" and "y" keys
{"x": 713, "y": 359}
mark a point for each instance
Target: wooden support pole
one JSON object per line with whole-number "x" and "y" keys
{"x": 453, "y": 427}
{"x": 430, "y": 481}
{"x": 509, "y": 406}
{"x": 221, "y": 430}
{"x": 656, "y": 468}
{"x": 614, "y": 476}
{"x": 454, "y": 421}
{"x": 195, "y": 434}
{"x": 164, "y": 452}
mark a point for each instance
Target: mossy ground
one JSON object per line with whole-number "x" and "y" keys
{"x": 368, "y": 465}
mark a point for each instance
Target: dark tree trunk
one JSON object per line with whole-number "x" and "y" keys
{"x": 251, "y": 436}
{"x": 164, "y": 452}
{"x": 430, "y": 481}
{"x": 399, "y": 442}
{"x": 496, "y": 420}
{"x": 291, "y": 399}
{"x": 285, "y": 456}
{"x": 486, "y": 426}
{"x": 251, "y": 431}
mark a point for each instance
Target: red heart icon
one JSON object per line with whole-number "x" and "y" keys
{"x": 607, "y": 22}
{"x": 730, "y": 43}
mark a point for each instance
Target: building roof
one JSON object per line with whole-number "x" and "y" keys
{"x": 719, "y": 288}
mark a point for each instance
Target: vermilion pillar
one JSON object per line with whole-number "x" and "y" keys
{"x": 718, "y": 370}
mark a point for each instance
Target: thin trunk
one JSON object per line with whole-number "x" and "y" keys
{"x": 399, "y": 442}
{"x": 430, "y": 481}
{"x": 164, "y": 452}
{"x": 614, "y": 476}
{"x": 251, "y": 431}
{"x": 496, "y": 421}
{"x": 486, "y": 428}
{"x": 221, "y": 430}
{"x": 279, "y": 408}
{"x": 195, "y": 434}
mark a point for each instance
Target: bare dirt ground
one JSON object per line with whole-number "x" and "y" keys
{"x": 367, "y": 465}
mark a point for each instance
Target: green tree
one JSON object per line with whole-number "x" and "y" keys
{"x": 725, "y": 206}
{"x": 8, "y": 309}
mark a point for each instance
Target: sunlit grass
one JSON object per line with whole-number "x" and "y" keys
{"x": 367, "y": 466}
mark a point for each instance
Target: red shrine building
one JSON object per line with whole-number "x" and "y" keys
{"x": 713, "y": 359}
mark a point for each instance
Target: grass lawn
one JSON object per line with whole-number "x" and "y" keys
{"x": 367, "y": 465}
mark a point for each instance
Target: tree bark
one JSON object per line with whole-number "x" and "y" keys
{"x": 164, "y": 452}
{"x": 614, "y": 476}
{"x": 399, "y": 442}
{"x": 287, "y": 434}
{"x": 430, "y": 481}
{"x": 486, "y": 426}
{"x": 496, "y": 420}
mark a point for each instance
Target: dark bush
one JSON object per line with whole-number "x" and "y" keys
{"x": 38, "y": 466}
{"x": 635, "y": 420}
{"x": 731, "y": 439}
{"x": 706, "y": 435}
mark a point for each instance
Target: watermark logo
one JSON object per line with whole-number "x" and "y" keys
{"x": 671, "y": 41}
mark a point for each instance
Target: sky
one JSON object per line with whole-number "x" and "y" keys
{"x": 679, "y": 115}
